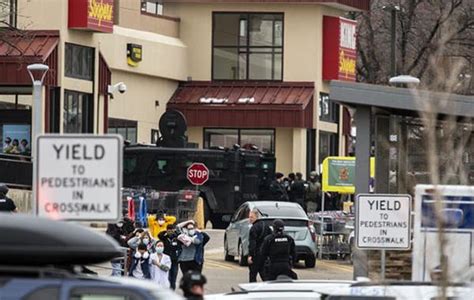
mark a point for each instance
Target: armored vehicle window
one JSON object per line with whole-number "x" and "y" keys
{"x": 129, "y": 164}
{"x": 161, "y": 167}
{"x": 49, "y": 292}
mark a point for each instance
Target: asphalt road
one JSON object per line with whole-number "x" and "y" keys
{"x": 222, "y": 276}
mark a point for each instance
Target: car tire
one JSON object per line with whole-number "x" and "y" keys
{"x": 242, "y": 257}
{"x": 310, "y": 262}
{"x": 227, "y": 257}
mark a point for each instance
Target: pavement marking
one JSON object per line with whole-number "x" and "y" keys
{"x": 219, "y": 265}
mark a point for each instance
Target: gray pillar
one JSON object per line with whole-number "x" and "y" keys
{"x": 362, "y": 174}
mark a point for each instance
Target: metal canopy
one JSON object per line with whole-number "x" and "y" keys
{"x": 403, "y": 100}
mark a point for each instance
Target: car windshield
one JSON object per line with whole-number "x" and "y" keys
{"x": 273, "y": 211}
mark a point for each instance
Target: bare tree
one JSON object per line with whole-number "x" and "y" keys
{"x": 10, "y": 33}
{"x": 427, "y": 30}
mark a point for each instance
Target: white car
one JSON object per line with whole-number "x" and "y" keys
{"x": 333, "y": 289}
{"x": 258, "y": 295}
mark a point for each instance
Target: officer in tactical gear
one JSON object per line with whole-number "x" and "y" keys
{"x": 279, "y": 250}
{"x": 192, "y": 285}
{"x": 6, "y": 204}
{"x": 277, "y": 188}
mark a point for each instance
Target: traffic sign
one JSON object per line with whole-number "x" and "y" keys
{"x": 197, "y": 173}
{"x": 383, "y": 222}
{"x": 79, "y": 177}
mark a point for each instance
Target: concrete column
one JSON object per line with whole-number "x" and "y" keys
{"x": 363, "y": 144}
{"x": 299, "y": 150}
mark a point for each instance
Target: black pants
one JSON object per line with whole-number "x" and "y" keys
{"x": 186, "y": 266}
{"x": 257, "y": 267}
{"x": 280, "y": 268}
{"x": 173, "y": 274}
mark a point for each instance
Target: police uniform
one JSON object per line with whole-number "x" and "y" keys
{"x": 190, "y": 279}
{"x": 257, "y": 234}
{"x": 279, "y": 249}
{"x": 6, "y": 204}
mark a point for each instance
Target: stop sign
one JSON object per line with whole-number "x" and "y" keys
{"x": 198, "y": 173}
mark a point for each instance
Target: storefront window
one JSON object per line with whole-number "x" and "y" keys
{"x": 8, "y": 13}
{"x": 79, "y": 62}
{"x": 78, "y": 113}
{"x": 263, "y": 139}
{"x": 126, "y": 128}
{"x": 327, "y": 145}
{"x": 328, "y": 110}
{"x": 247, "y": 46}
{"x": 152, "y": 7}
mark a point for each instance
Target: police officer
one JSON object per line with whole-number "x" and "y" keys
{"x": 278, "y": 189}
{"x": 257, "y": 234}
{"x": 192, "y": 285}
{"x": 6, "y": 204}
{"x": 279, "y": 249}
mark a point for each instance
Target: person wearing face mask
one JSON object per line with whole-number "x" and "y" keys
{"x": 172, "y": 249}
{"x": 160, "y": 265}
{"x": 141, "y": 237}
{"x": 192, "y": 247}
{"x": 159, "y": 222}
{"x": 141, "y": 263}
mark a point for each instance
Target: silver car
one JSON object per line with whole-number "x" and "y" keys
{"x": 297, "y": 225}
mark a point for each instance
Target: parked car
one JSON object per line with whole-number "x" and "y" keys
{"x": 44, "y": 259}
{"x": 328, "y": 286}
{"x": 297, "y": 225}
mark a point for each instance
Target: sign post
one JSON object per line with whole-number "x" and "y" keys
{"x": 79, "y": 177}
{"x": 197, "y": 174}
{"x": 383, "y": 223}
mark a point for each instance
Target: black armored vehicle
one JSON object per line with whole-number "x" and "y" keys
{"x": 236, "y": 175}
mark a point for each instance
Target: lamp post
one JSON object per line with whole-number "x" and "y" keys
{"x": 393, "y": 36}
{"x": 37, "y": 98}
{"x": 41, "y": 71}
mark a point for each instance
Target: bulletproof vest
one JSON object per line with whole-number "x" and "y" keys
{"x": 280, "y": 248}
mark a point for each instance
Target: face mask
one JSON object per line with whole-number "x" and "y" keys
{"x": 146, "y": 241}
{"x": 119, "y": 225}
{"x": 161, "y": 222}
{"x": 191, "y": 232}
{"x": 138, "y": 255}
{"x": 146, "y": 255}
{"x": 159, "y": 250}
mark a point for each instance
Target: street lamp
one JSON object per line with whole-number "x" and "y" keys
{"x": 404, "y": 80}
{"x": 41, "y": 70}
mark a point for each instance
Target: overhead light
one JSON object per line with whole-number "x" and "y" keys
{"x": 404, "y": 79}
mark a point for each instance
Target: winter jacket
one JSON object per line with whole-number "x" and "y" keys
{"x": 155, "y": 228}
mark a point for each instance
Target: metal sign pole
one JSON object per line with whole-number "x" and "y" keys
{"x": 383, "y": 265}
{"x": 322, "y": 227}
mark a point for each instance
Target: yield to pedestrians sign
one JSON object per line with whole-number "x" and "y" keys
{"x": 79, "y": 177}
{"x": 383, "y": 221}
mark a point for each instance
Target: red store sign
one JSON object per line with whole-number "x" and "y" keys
{"x": 94, "y": 15}
{"x": 339, "y": 49}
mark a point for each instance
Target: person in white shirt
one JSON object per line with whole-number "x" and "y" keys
{"x": 160, "y": 266}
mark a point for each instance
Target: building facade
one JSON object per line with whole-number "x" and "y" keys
{"x": 88, "y": 45}
{"x": 259, "y": 74}
{"x": 253, "y": 73}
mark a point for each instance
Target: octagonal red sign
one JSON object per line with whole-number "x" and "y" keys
{"x": 198, "y": 173}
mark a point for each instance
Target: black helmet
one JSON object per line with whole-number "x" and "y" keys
{"x": 191, "y": 278}
{"x": 3, "y": 188}
{"x": 278, "y": 225}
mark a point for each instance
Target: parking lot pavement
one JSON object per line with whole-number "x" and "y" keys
{"x": 222, "y": 276}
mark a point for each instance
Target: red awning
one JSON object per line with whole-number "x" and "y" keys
{"x": 245, "y": 104}
{"x": 19, "y": 49}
